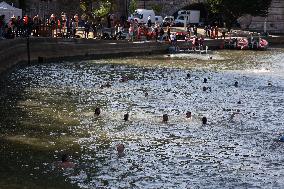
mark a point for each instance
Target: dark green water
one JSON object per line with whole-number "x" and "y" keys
{"x": 48, "y": 110}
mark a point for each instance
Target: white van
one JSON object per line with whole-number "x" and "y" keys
{"x": 158, "y": 20}
{"x": 141, "y": 16}
{"x": 183, "y": 12}
{"x": 190, "y": 16}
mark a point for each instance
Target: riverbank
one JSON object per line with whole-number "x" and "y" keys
{"x": 42, "y": 50}
{"x": 15, "y": 52}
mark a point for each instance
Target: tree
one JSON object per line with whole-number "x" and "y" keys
{"x": 96, "y": 9}
{"x": 232, "y": 9}
{"x": 157, "y": 8}
{"x": 132, "y": 6}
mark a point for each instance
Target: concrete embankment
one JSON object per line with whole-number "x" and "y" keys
{"x": 14, "y": 52}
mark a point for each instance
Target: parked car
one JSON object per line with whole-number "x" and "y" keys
{"x": 168, "y": 21}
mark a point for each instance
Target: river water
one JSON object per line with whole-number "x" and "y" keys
{"x": 48, "y": 110}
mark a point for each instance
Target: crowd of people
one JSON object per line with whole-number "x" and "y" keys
{"x": 69, "y": 26}
{"x": 54, "y": 26}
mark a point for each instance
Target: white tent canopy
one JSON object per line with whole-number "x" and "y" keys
{"x": 9, "y": 11}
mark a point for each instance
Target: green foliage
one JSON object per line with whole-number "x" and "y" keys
{"x": 96, "y": 9}
{"x": 157, "y": 8}
{"x": 103, "y": 9}
{"x": 132, "y": 6}
{"x": 232, "y": 9}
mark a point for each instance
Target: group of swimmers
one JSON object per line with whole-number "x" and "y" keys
{"x": 65, "y": 160}
{"x": 66, "y": 163}
{"x": 165, "y": 117}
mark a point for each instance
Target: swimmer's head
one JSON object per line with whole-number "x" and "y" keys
{"x": 165, "y": 118}
{"x": 204, "y": 120}
{"x": 120, "y": 148}
{"x": 236, "y": 84}
{"x": 97, "y": 111}
{"x": 188, "y": 114}
{"x": 126, "y": 117}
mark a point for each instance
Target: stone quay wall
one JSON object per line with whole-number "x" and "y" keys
{"x": 14, "y": 52}
{"x": 44, "y": 50}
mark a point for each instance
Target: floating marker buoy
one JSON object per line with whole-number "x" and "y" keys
{"x": 281, "y": 139}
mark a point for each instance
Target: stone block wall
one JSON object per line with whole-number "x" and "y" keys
{"x": 274, "y": 21}
{"x": 14, "y": 52}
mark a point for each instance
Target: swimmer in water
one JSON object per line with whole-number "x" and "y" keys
{"x": 204, "y": 89}
{"x": 188, "y": 115}
{"x": 236, "y": 84}
{"x": 205, "y": 80}
{"x": 120, "y": 150}
{"x": 126, "y": 117}
{"x": 188, "y": 75}
{"x": 65, "y": 162}
{"x": 97, "y": 111}
{"x": 204, "y": 120}
{"x": 165, "y": 118}
{"x": 123, "y": 79}
{"x": 107, "y": 85}
{"x": 146, "y": 94}
{"x": 269, "y": 83}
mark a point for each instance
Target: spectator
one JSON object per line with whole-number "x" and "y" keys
{"x": 87, "y": 29}
{"x": 131, "y": 32}
{"x": 74, "y": 28}
{"x": 216, "y": 32}
{"x": 149, "y": 22}
{"x": 162, "y": 32}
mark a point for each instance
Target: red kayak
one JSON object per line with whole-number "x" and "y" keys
{"x": 242, "y": 43}
{"x": 263, "y": 44}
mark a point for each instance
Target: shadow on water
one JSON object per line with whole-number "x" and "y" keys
{"x": 27, "y": 149}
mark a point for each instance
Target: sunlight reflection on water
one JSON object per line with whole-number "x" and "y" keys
{"x": 228, "y": 152}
